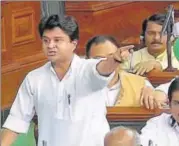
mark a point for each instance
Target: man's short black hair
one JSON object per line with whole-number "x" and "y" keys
{"x": 157, "y": 18}
{"x": 98, "y": 40}
{"x": 173, "y": 87}
{"x": 67, "y": 23}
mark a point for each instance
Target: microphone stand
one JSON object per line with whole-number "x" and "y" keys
{"x": 169, "y": 46}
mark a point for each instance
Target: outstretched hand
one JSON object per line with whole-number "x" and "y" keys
{"x": 123, "y": 53}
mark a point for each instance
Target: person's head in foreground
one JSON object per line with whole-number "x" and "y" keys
{"x": 122, "y": 136}
{"x": 173, "y": 96}
{"x": 151, "y": 31}
{"x": 59, "y": 37}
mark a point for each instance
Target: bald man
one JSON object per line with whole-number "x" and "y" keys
{"x": 121, "y": 136}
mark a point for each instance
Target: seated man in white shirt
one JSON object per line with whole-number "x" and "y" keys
{"x": 163, "y": 130}
{"x": 54, "y": 90}
{"x": 161, "y": 93}
{"x": 122, "y": 136}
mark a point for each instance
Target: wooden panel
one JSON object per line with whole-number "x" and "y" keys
{"x": 132, "y": 113}
{"x": 23, "y": 23}
{"x": 6, "y": 54}
{"x": 122, "y": 20}
{"x": 23, "y": 61}
{"x": 11, "y": 81}
{"x": 23, "y": 19}
{"x": 92, "y": 6}
{"x": 3, "y": 35}
{"x": 21, "y": 46}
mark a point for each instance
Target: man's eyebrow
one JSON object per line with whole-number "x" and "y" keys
{"x": 176, "y": 100}
{"x": 45, "y": 37}
{"x": 58, "y": 37}
{"x": 110, "y": 54}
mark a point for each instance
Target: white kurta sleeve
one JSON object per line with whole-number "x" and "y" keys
{"x": 22, "y": 110}
{"x": 164, "y": 87}
{"x": 147, "y": 83}
{"x": 91, "y": 78}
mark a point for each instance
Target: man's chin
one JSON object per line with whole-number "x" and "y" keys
{"x": 157, "y": 46}
{"x": 52, "y": 59}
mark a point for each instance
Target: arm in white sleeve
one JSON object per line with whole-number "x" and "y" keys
{"x": 90, "y": 76}
{"x": 147, "y": 83}
{"x": 164, "y": 87}
{"x": 22, "y": 110}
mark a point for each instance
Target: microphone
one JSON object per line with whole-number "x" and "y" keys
{"x": 168, "y": 16}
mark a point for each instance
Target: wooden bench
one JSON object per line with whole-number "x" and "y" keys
{"x": 134, "y": 117}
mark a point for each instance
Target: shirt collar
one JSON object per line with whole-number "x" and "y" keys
{"x": 173, "y": 123}
{"x": 71, "y": 68}
{"x": 158, "y": 57}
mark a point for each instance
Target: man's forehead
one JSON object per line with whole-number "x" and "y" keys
{"x": 102, "y": 45}
{"x": 151, "y": 25}
{"x": 102, "y": 49}
{"x": 55, "y": 32}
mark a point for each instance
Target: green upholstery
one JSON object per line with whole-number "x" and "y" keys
{"x": 26, "y": 139}
{"x": 176, "y": 48}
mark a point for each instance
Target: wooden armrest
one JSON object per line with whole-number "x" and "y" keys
{"x": 132, "y": 113}
{"x": 159, "y": 77}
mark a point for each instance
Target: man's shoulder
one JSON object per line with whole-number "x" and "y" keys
{"x": 40, "y": 70}
{"x": 81, "y": 62}
{"x": 160, "y": 120}
{"x": 142, "y": 50}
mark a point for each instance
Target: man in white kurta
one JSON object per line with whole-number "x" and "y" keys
{"x": 160, "y": 131}
{"x": 64, "y": 115}
{"x": 163, "y": 130}
{"x": 56, "y": 90}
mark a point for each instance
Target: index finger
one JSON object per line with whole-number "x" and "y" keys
{"x": 125, "y": 48}
{"x": 142, "y": 96}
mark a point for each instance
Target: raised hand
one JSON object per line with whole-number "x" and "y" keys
{"x": 123, "y": 53}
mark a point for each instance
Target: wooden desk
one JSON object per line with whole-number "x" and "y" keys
{"x": 158, "y": 77}
{"x": 131, "y": 114}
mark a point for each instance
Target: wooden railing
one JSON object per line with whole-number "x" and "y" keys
{"x": 158, "y": 77}
{"x": 132, "y": 113}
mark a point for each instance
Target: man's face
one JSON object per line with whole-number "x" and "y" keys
{"x": 174, "y": 105}
{"x": 57, "y": 45}
{"x": 102, "y": 50}
{"x": 154, "y": 43}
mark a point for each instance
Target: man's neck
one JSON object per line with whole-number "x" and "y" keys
{"x": 61, "y": 68}
{"x": 156, "y": 54}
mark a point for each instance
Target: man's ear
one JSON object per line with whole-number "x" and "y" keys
{"x": 75, "y": 43}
